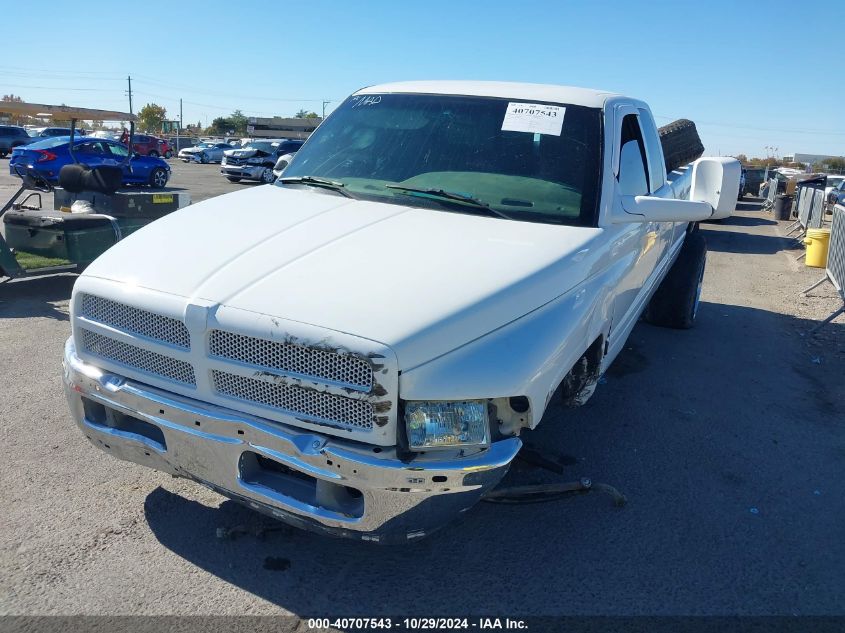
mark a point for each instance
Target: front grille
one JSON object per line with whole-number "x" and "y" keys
{"x": 137, "y": 358}
{"x": 313, "y": 405}
{"x": 290, "y": 358}
{"x": 135, "y": 320}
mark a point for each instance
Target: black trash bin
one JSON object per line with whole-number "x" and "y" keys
{"x": 783, "y": 207}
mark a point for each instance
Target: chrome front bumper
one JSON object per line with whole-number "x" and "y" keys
{"x": 250, "y": 172}
{"x": 306, "y": 479}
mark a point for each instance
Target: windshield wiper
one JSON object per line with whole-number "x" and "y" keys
{"x": 453, "y": 197}
{"x": 314, "y": 181}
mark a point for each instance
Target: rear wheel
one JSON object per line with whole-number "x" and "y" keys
{"x": 675, "y": 304}
{"x": 4, "y": 153}
{"x": 168, "y": 154}
{"x": 158, "y": 178}
{"x": 153, "y": 153}
{"x": 233, "y": 179}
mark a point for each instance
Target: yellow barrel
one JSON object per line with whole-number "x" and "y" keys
{"x": 817, "y": 241}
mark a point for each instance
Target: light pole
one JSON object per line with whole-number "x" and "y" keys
{"x": 325, "y": 103}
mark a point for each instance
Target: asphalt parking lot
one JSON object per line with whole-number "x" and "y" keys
{"x": 728, "y": 441}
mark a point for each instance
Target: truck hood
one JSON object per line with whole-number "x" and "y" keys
{"x": 422, "y": 281}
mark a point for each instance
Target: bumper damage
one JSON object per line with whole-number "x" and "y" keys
{"x": 303, "y": 478}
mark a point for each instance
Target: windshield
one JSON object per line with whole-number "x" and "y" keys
{"x": 264, "y": 146}
{"x": 835, "y": 181}
{"x": 535, "y": 162}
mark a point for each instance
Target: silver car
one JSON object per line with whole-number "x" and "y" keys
{"x": 204, "y": 152}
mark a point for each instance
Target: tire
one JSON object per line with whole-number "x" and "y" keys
{"x": 168, "y": 154}
{"x": 3, "y": 153}
{"x": 233, "y": 179}
{"x": 681, "y": 143}
{"x": 203, "y": 158}
{"x": 267, "y": 176}
{"x": 153, "y": 153}
{"x": 158, "y": 178}
{"x": 675, "y": 304}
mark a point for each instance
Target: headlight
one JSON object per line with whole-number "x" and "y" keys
{"x": 446, "y": 424}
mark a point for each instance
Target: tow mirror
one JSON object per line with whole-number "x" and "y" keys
{"x": 716, "y": 181}
{"x": 714, "y": 185}
{"x": 653, "y": 209}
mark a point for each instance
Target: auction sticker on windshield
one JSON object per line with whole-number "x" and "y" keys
{"x": 534, "y": 117}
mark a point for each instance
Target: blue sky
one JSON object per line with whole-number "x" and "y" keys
{"x": 751, "y": 74}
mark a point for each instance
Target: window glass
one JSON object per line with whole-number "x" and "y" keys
{"x": 633, "y": 180}
{"x": 90, "y": 148}
{"x": 121, "y": 151}
{"x": 375, "y": 143}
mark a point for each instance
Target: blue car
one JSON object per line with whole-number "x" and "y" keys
{"x": 47, "y": 157}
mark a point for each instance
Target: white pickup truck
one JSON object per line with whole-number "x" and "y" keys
{"x": 356, "y": 348}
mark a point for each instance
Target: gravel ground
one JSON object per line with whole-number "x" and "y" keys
{"x": 728, "y": 441}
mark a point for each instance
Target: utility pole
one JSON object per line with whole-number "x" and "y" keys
{"x": 129, "y": 79}
{"x": 180, "y": 113}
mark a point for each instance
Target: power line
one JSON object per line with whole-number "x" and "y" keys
{"x": 190, "y": 89}
{"x": 56, "y": 88}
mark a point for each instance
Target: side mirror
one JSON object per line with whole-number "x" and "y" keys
{"x": 716, "y": 181}
{"x": 653, "y": 209}
{"x": 714, "y": 186}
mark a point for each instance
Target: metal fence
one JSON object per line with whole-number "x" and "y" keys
{"x": 835, "y": 268}
{"x": 772, "y": 194}
{"x": 810, "y": 207}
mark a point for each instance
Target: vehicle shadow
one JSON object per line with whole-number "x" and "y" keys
{"x": 690, "y": 464}
{"x": 36, "y": 297}
{"x": 746, "y": 243}
{"x": 745, "y": 220}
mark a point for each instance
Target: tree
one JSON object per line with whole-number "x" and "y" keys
{"x": 221, "y": 125}
{"x": 742, "y": 158}
{"x": 18, "y": 120}
{"x": 312, "y": 115}
{"x": 301, "y": 114}
{"x": 238, "y": 121}
{"x": 151, "y": 117}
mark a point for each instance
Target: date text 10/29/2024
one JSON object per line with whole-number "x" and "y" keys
{"x": 418, "y": 624}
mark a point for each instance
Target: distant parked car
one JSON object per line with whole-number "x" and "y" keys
{"x": 257, "y": 159}
{"x": 112, "y": 136}
{"x": 147, "y": 145}
{"x": 837, "y": 194}
{"x": 742, "y": 179}
{"x": 281, "y": 163}
{"x": 833, "y": 181}
{"x": 48, "y": 156}
{"x": 205, "y": 152}
{"x": 12, "y": 136}
{"x": 178, "y": 143}
{"x": 49, "y": 132}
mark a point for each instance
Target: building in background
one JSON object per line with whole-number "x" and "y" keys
{"x": 806, "y": 159}
{"x": 277, "y": 127}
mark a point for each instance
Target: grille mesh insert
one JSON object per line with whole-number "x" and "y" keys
{"x": 135, "y": 320}
{"x": 137, "y": 358}
{"x": 314, "y": 405}
{"x": 290, "y": 358}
